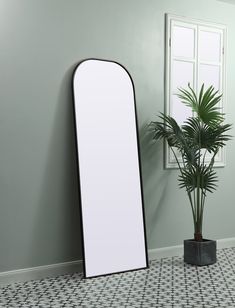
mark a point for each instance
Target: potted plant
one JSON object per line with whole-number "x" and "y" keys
{"x": 200, "y": 135}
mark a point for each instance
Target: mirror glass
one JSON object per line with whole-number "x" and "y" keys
{"x": 109, "y": 169}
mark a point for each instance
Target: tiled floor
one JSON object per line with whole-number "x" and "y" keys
{"x": 167, "y": 283}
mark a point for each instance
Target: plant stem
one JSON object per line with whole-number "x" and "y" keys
{"x": 198, "y": 204}
{"x": 211, "y": 164}
{"x": 204, "y": 157}
{"x": 202, "y": 206}
{"x": 201, "y": 209}
{"x": 198, "y": 235}
{"x": 187, "y": 189}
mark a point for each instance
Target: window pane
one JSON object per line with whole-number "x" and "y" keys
{"x": 183, "y": 42}
{"x": 209, "y": 75}
{"x": 179, "y": 111}
{"x": 209, "y": 46}
{"x": 182, "y": 74}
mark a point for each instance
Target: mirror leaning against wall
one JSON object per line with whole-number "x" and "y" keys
{"x": 113, "y": 227}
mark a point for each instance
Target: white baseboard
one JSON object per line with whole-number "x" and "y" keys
{"x": 165, "y": 252}
{"x": 53, "y": 270}
{"x": 39, "y": 272}
{"x": 226, "y": 243}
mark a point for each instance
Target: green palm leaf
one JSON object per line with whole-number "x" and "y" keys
{"x": 202, "y": 177}
{"x": 203, "y": 136}
{"x": 205, "y": 106}
{"x": 168, "y": 130}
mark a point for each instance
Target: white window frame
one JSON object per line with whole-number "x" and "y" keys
{"x": 171, "y": 20}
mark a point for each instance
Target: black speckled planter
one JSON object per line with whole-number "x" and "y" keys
{"x": 200, "y": 253}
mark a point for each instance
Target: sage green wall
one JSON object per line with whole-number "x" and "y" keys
{"x": 41, "y": 42}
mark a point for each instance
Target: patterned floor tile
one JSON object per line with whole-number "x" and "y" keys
{"x": 168, "y": 283}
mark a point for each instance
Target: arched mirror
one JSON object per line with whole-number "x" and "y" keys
{"x": 109, "y": 169}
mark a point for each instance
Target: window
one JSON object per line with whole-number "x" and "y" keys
{"x": 195, "y": 54}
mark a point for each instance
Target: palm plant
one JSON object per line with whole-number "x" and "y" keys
{"x": 200, "y": 134}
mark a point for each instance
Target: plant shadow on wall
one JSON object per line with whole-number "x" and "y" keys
{"x": 57, "y": 231}
{"x": 155, "y": 183}
{"x": 195, "y": 145}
